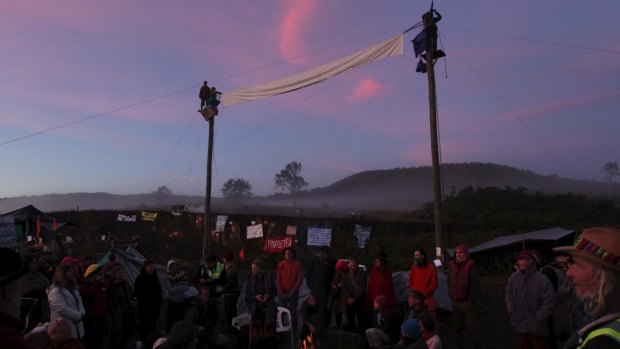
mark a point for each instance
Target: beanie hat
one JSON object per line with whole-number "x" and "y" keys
{"x": 69, "y": 260}
{"x": 91, "y": 269}
{"x": 462, "y": 248}
{"x": 599, "y": 245}
{"x": 182, "y": 333}
{"x": 411, "y": 329}
{"x": 341, "y": 265}
{"x": 416, "y": 294}
{"x": 259, "y": 263}
{"x": 11, "y": 267}
{"x": 171, "y": 262}
{"x": 381, "y": 300}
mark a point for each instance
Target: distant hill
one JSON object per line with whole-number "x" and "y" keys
{"x": 399, "y": 189}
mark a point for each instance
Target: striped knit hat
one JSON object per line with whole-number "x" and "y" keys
{"x": 599, "y": 245}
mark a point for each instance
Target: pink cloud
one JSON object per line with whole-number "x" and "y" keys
{"x": 549, "y": 108}
{"x": 297, "y": 16}
{"x": 364, "y": 90}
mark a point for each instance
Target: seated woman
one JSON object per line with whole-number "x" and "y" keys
{"x": 385, "y": 324}
{"x": 259, "y": 295}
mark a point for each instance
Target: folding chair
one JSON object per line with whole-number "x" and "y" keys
{"x": 242, "y": 320}
{"x": 283, "y": 323}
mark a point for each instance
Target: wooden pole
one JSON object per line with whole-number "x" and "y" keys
{"x": 432, "y": 100}
{"x": 206, "y": 235}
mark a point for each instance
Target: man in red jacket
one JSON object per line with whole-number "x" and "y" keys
{"x": 289, "y": 277}
{"x": 464, "y": 289}
{"x": 423, "y": 278}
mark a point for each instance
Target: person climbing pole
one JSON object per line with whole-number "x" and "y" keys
{"x": 204, "y": 94}
{"x": 213, "y": 100}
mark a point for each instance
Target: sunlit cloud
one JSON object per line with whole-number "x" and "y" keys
{"x": 297, "y": 16}
{"x": 367, "y": 88}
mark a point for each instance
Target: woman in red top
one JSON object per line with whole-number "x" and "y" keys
{"x": 380, "y": 283}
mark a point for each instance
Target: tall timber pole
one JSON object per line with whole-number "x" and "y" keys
{"x": 431, "y": 32}
{"x": 206, "y": 235}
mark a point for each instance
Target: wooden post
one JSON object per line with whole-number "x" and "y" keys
{"x": 206, "y": 236}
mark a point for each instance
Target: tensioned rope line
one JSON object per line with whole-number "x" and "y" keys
{"x": 537, "y": 41}
{"x": 514, "y": 113}
{"x": 196, "y": 148}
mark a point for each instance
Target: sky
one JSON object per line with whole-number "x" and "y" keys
{"x": 102, "y": 96}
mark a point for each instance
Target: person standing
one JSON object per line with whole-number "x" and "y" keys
{"x": 65, "y": 300}
{"x": 530, "y": 301}
{"x": 94, "y": 296}
{"x": 121, "y": 308}
{"x": 289, "y": 276}
{"x": 594, "y": 267}
{"x": 175, "y": 286}
{"x": 34, "y": 285}
{"x": 464, "y": 290}
{"x": 210, "y": 276}
{"x": 423, "y": 278}
{"x": 380, "y": 283}
{"x": 204, "y": 93}
{"x": 147, "y": 290}
{"x": 318, "y": 277}
{"x": 230, "y": 277}
{"x": 354, "y": 283}
{"x": 259, "y": 296}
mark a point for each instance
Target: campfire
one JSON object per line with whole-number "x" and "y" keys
{"x": 307, "y": 343}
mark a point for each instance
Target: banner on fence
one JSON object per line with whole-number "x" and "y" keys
{"x": 291, "y": 230}
{"x": 362, "y": 234}
{"x": 319, "y": 236}
{"x": 277, "y": 244}
{"x": 125, "y": 218}
{"x": 221, "y": 223}
{"x": 148, "y": 216}
{"x": 7, "y": 232}
{"x": 255, "y": 231}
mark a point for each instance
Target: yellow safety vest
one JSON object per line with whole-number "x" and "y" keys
{"x": 610, "y": 329}
{"x": 219, "y": 267}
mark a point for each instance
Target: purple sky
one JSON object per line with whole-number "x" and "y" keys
{"x": 102, "y": 95}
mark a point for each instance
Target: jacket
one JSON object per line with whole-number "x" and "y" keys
{"x": 389, "y": 322}
{"x": 463, "y": 281}
{"x": 602, "y": 333}
{"x": 67, "y": 304}
{"x": 354, "y": 284}
{"x": 530, "y": 301}
{"x": 289, "y": 276}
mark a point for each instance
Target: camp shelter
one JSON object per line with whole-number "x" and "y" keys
{"x": 29, "y": 219}
{"x": 498, "y": 254}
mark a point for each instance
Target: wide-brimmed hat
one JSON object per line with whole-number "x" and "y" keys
{"x": 12, "y": 267}
{"x": 600, "y": 245}
{"x": 91, "y": 269}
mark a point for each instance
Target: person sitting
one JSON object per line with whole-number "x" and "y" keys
{"x": 411, "y": 335}
{"x": 385, "y": 324}
{"x": 181, "y": 336}
{"x": 208, "y": 317}
{"x": 429, "y": 333}
{"x": 416, "y": 306}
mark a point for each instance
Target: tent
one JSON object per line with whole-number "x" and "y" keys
{"x": 28, "y": 218}
{"x": 498, "y": 254}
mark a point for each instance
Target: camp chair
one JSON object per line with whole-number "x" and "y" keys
{"x": 283, "y": 323}
{"x": 241, "y": 321}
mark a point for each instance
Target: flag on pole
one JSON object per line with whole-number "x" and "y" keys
{"x": 242, "y": 255}
{"x": 38, "y": 227}
{"x": 54, "y": 225}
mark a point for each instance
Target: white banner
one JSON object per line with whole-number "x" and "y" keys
{"x": 221, "y": 223}
{"x": 319, "y": 236}
{"x": 125, "y": 218}
{"x": 362, "y": 234}
{"x": 388, "y": 48}
{"x": 255, "y": 231}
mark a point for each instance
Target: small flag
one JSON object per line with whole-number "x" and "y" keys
{"x": 242, "y": 255}
{"x": 38, "y": 226}
{"x": 54, "y": 226}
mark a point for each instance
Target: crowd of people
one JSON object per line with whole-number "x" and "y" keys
{"x": 78, "y": 306}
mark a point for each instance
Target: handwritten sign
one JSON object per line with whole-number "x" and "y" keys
{"x": 125, "y": 218}
{"x": 291, "y": 230}
{"x": 277, "y": 244}
{"x": 362, "y": 234}
{"x": 319, "y": 236}
{"x": 148, "y": 216}
{"x": 221, "y": 223}
{"x": 255, "y": 231}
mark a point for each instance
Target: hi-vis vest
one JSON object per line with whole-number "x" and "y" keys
{"x": 219, "y": 267}
{"x": 610, "y": 329}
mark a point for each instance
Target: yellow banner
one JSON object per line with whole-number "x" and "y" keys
{"x": 148, "y": 216}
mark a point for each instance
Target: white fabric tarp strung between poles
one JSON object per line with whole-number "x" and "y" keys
{"x": 389, "y": 48}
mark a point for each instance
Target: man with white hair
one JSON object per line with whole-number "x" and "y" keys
{"x": 594, "y": 267}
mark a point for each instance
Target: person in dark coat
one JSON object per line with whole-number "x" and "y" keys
{"x": 386, "y": 324}
{"x": 230, "y": 276}
{"x": 121, "y": 308}
{"x": 94, "y": 296}
{"x": 260, "y": 293}
{"x": 318, "y": 277}
{"x": 354, "y": 283}
{"x": 204, "y": 93}
{"x": 147, "y": 291}
{"x": 416, "y": 308}
{"x": 208, "y": 317}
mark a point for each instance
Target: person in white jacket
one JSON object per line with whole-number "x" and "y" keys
{"x": 65, "y": 300}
